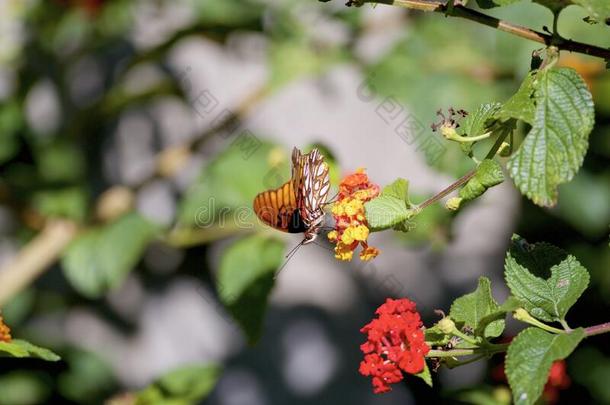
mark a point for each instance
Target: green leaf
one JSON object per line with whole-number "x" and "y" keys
{"x": 24, "y": 388}
{"x": 11, "y": 121}
{"x": 245, "y": 279}
{"x": 522, "y": 104}
{"x": 590, "y": 367}
{"x": 472, "y": 308}
{"x": 386, "y": 212}
{"x": 68, "y": 202}
{"x": 187, "y": 385}
{"x": 546, "y": 299}
{"x": 554, "y": 149}
{"x": 477, "y": 123}
{"x": 399, "y": 189}
{"x": 483, "y": 395}
{"x": 391, "y": 209}
{"x": 88, "y": 376}
{"x": 425, "y": 375}
{"x": 492, "y": 318}
{"x": 598, "y": 9}
{"x": 529, "y": 359}
{"x": 22, "y": 348}
{"x": 100, "y": 259}
{"x": 489, "y": 174}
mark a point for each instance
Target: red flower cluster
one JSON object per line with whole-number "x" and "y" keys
{"x": 558, "y": 380}
{"x": 395, "y": 344}
{"x": 92, "y": 7}
{"x": 351, "y": 227}
{"x": 5, "y": 331}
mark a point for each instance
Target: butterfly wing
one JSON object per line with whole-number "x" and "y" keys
{"x": 278, "y": 208}
{"x": 315, "y": 185}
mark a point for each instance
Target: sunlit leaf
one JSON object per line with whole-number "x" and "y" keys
{"x": 554, "y": 149}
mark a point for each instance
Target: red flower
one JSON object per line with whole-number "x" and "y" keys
{"x": 5, "y": 331}
{"x": 395, "y": 344}
{"x": 558, "y": 380}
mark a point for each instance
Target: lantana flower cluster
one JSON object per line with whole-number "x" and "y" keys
{"x": 558, "y": 380}
{"x": 395, "y": 344}
{"x": 5, "y": 331}
{"x": 351, "y": 227}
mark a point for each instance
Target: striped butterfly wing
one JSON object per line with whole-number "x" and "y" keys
{"x": 278, "y": 208}
{"x": 314, "y": 187}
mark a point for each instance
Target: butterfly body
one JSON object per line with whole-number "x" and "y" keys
{"x": 297, "y": 205}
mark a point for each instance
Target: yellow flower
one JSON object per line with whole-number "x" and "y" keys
{"x": 343, "y": 252}
{"x": 369, "y": 253}
{"x": 355, "y": 233}
{"x": 351, "y": 227}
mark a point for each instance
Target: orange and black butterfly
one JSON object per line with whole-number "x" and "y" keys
{"x": 297, "y": 206}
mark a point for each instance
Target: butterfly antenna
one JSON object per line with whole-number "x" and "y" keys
{"x": 288, "y": 257}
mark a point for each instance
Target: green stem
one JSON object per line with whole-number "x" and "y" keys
{"x": 485, "y": 351}
{"x": 522, "y": 315}
{"x": 465, "y": 337}
{"x": 464, "y": 179}
{"x": 468, "y": 139}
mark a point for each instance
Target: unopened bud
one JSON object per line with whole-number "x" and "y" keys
{"x": 453, "y": 204}
{"x": 504, "y": 149}
{"x": 113, "y": 203}
{"x": 521, "y": 314}
{"x": 446, "y": 325}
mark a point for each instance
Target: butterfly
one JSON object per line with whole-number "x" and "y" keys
{"x": 297, "y": 205}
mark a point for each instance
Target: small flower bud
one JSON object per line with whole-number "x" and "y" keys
{"x": 521, "y": 314}
{"x": 453, "y": 204}
{"x": 448, "y": 132}
{"x": 446, "y": 325}
{"x": 113, "y": 203}
{"x": 504, "y": 149}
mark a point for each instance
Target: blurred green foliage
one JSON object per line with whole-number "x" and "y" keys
{"x": 58, "y": 171}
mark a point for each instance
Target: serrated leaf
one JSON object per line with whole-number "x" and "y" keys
{"x": 546, "y": 299}
{"x": 187, "y": 385}
{"x": 398, "y": 189}
{"x": 386, "y": 212}
{"x": 521, "y": 105}
{"x": 489, "y": 174}
{"x": 554, "y": 149}
{"x": 425, "y": 375}
{"x": 509, "y": 305}
{"x": 100, "y": 259}
{"x": 477, "y": 123}
{"x": 22, "y": 348}
{"x": 529, "y": 359}
{"x": 471, "y": 309}
{"x": 245, "y": 279}
{"x": 391, "y": 209}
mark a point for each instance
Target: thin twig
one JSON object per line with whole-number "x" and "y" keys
{"x": 518, "y": 30}
{"x": 40, "y": 253}
{"x": 598, "y": 329}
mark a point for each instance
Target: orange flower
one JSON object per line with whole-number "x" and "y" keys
{"x": 351, "y": 227}
{"x": 5, "y": 331}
